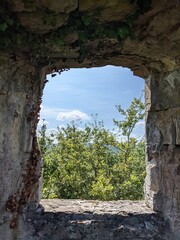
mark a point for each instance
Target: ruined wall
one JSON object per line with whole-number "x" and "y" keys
{"x": 163, "y": 146}
{"x": 92, "y": 220}
{"x": 20, "y": 96}
{"x": 43, "y": 34}
{"x": 141, "y": 35}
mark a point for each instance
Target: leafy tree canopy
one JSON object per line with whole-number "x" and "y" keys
{"x": 92, "y": 162}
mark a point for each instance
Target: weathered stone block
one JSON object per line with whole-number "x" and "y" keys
{"x": 59, "y": 6}
{"x": 90, "y": 5}
{"x": 40, "y": 22}
{"x": 163, "y": 127}
{"x": 163, "y": 91}
{"x": 120, "y": 8}
{"x": 52, "y": 5}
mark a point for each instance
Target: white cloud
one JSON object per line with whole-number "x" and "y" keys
{"x": 72, "y": 115}
{"x": 47, "y": 112}
{"x": 61, "y": 114}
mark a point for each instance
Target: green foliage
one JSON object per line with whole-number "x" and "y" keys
{"x": 87, "y": 26}
{"x": 92, "y": 162}
{"x": 132, "y": 115}
{"x": 12, "y": 33}
{"x": 59, "y": 41}
{"x": 123, "y": 32}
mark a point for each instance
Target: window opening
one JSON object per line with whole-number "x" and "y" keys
{"x": 92, "y": 147}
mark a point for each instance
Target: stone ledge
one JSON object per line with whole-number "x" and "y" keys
{"x": 92, "y": 220}
{"x": 95, "y": 206}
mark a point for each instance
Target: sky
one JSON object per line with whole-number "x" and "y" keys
{"x": 77, "y": 94}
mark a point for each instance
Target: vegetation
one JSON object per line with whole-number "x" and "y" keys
{"x": 88, "y": 27}
{"x": 94, "y": 163}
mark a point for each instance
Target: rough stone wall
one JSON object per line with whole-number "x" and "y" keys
{"x": 20, "y": 96}
{"x": 163, "y": 146}
{"x": 92, "y": 220}
{"x": 56, "y": 38}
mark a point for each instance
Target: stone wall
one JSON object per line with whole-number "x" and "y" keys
{"x": 163, "y": 146}
{"x": 84, "y": 33}
{"x": 92, "y": 220}
{"x": 20, "y": 98}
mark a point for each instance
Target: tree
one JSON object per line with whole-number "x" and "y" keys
{"x": 132, "y": 116}
{"x": 92, "y": 162}
{"x": 131, "y": 167}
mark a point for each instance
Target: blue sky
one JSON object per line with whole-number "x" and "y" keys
{"x": 78, "y": 93}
